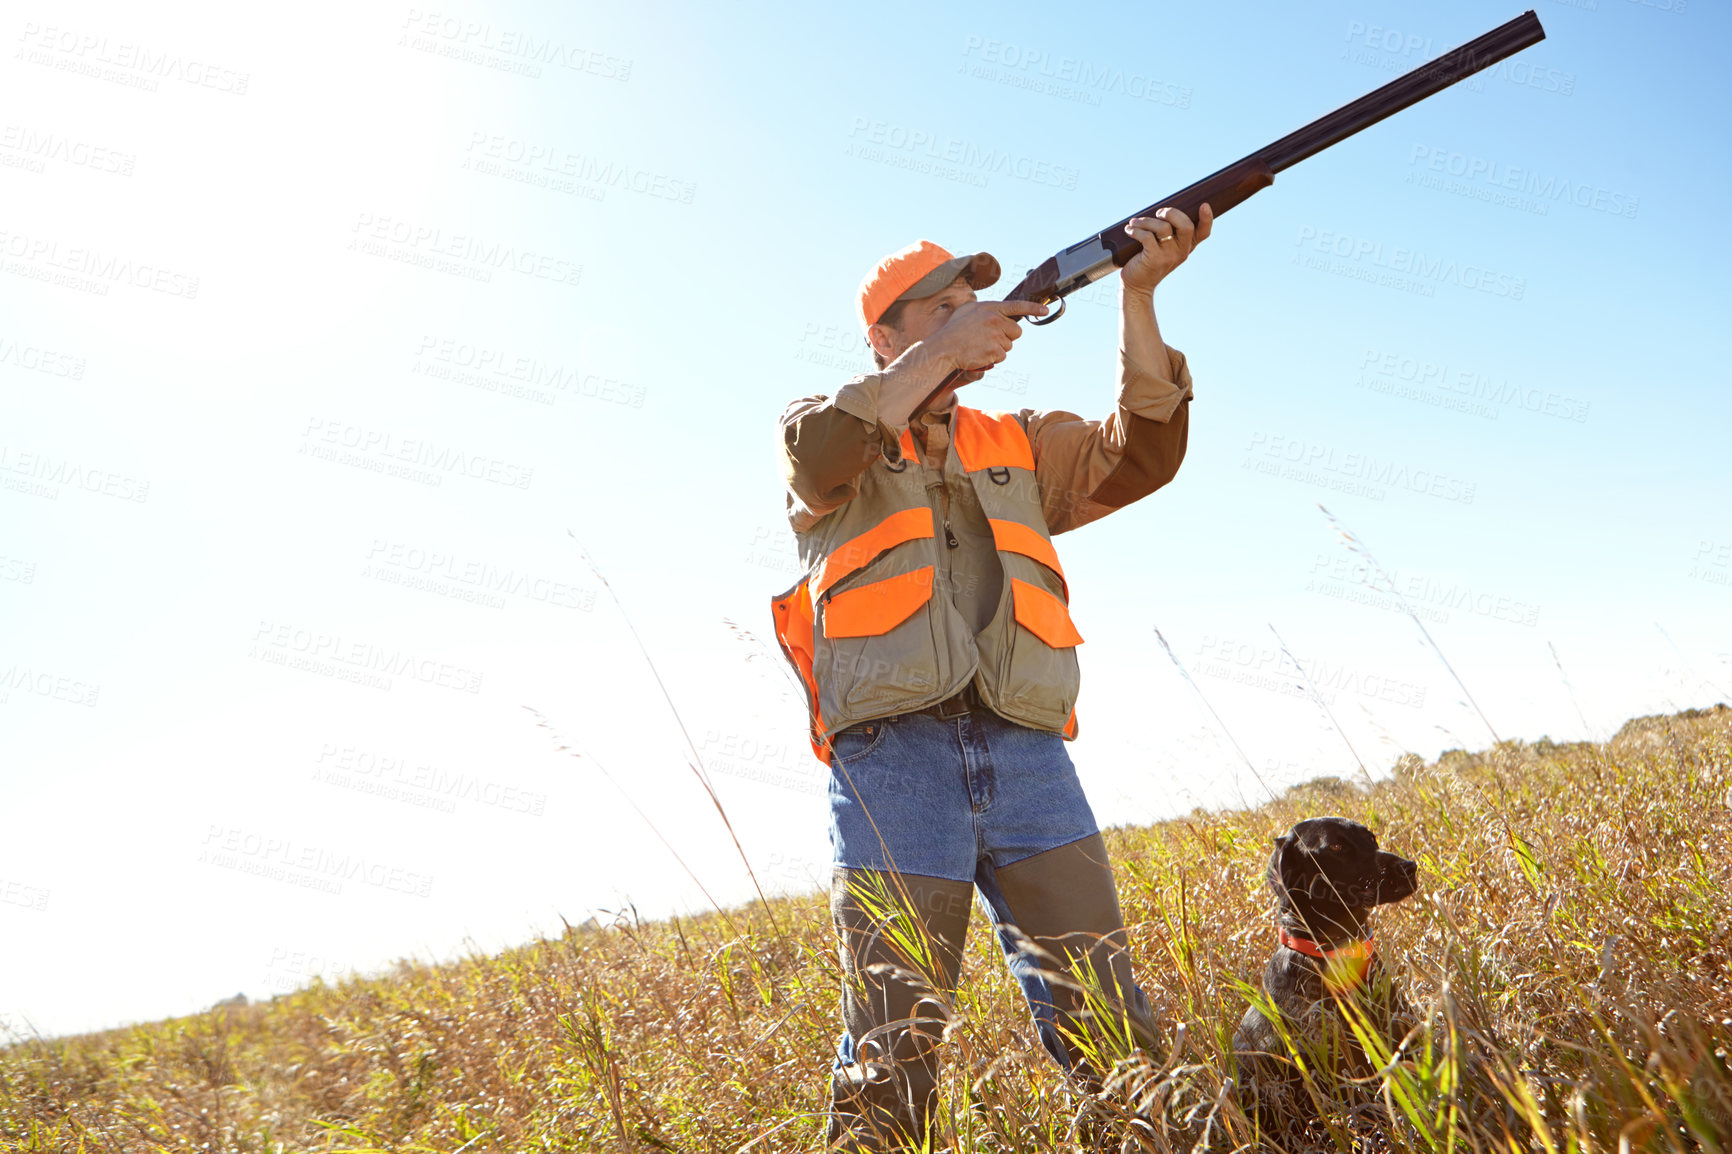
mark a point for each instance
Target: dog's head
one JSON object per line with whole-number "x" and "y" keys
{"x": 1329, "y": 873}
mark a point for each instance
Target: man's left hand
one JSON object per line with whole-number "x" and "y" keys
{"x": 1167, "y": 239}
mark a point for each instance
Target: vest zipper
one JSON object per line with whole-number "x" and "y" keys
{"x": 944, "y": 505}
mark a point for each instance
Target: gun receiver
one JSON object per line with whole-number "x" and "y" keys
{"x": 1089, "y": 260}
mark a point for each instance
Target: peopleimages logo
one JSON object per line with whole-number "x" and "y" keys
{"x": 40, "y": 360}
{"x": 1266, "y": 667}
{"x": 481, "y": 42}
{"x": 1462, "y": 389}
{"x": 479, "y": 578}
{"x": 36, "y": 255}
{"x": 345, "y": 443}
{"x": 537, "y": 159}
{"x": 1066, "y": 76}
{"x": 418, "y": 783}
{"x": 17, "y": 893}
{"x": 1363, "y": 474}
{"x": 511, "y": 373}
{"x": 465, "y": 253}
{"x": 135, "y": 65}
{"x": 310, "y": 866}
{"x": 1712, "y": 562}
{"x": 331, "y": 654}
{"x": 871, "y": 138}
{"x": 1373, "y": 255}
{"x": 1497, "y": 176}
{"x": 60, "y": 687}
{"x": 44, "y": 474}
{"x": 35, "y": 149}
{"x": 1351, "y": 579}
{"x": 1394, "y": 50}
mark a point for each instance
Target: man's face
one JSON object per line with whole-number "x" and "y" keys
{"x": 921, "y": 318}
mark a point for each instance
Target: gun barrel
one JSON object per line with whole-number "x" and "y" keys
{"x": 1095, "y": 257}
{"x": 1404, "y": 91}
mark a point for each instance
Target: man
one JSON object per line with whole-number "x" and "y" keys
{"x": 933, "y": 636}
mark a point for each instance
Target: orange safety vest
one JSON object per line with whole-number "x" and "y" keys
{"x": 863, "y": 630}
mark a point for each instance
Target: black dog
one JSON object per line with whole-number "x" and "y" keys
{"x": 1328, "y": 875}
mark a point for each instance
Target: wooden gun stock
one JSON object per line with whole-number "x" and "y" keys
{"x": 1231, "y": 186}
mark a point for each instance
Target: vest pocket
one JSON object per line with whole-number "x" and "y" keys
{"x": 878, "y": 648}
{"x": 878, "y": 606}
{"x": 1028, "y": 653}
{"x": 1043, "y": 615}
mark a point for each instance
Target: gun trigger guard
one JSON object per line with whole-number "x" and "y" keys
{"x": 1049, "y": 317}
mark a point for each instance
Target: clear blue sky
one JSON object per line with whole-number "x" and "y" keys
{"x": 326, "y": 338}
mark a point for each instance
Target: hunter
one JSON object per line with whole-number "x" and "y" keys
{"x": 933, "y": 637}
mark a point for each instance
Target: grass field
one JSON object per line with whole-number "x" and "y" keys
{"x": 1571, "y": 944}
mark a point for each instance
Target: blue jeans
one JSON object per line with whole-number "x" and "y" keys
{"x": 959, "y": 800}
{"x": 913, "y": 794}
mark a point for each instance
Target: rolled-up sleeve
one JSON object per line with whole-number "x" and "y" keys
{"x": 1087, "y": 468}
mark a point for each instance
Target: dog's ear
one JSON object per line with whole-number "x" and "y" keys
{"x": 1290, "y": 868}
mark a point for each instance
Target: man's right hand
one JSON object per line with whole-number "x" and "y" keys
{"x": 979, "y": 335}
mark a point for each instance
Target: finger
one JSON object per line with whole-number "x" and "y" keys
{"x": 1205, "y": 224}
{"x": 1175, "y": 217}
{"x": 1015, "y": 309}
{"x": 1148, "y": 238}
{"x": 1154, "y": 225}
{"x": 1182, "y": 228}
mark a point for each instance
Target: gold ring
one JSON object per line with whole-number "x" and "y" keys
{"x": 1164, "y": 239}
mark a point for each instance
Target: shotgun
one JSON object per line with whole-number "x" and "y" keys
{"x": 1089, "y": 260}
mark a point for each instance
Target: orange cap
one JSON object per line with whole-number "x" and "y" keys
{"x": 918, "y": 271}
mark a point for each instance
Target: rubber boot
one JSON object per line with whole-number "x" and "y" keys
{"x": 1066, "y": 904}
{"x": 901, "y": 937}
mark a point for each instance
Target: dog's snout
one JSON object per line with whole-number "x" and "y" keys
{"x": 1400, "y": 878}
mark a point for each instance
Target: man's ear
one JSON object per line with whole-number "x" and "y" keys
{"x": 885, "y": 341}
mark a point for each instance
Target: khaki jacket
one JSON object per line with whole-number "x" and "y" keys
{"x": 928, "y": 554}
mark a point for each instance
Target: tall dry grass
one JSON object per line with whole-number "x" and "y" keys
{"x": 1571, "y": 945}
